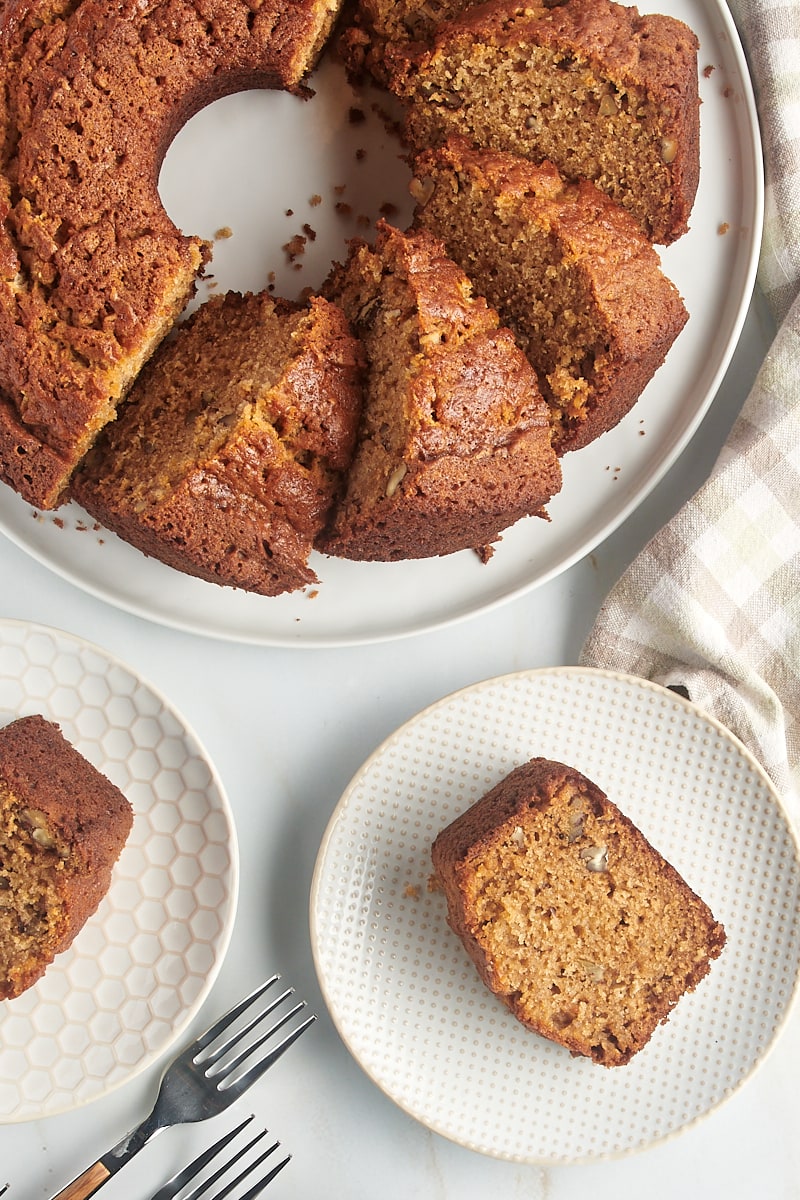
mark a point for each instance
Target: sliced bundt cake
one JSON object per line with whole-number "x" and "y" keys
{"x": 596, "y": 88}
{"x": 454, "y": 444}
{"x": 93, "y": 273}
{"x": 234, "y": 442}
{"x": 568, "y": 270}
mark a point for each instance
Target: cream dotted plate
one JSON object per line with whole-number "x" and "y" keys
{"x": 143, "y": 964}
{"x": 407, "y": 1000}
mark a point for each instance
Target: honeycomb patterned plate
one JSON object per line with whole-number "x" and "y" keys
{"x": 143, "y": 964}
{"x": 406, "y": 999}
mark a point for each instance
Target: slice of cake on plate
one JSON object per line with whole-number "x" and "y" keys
{"x": 234, "y": 443}
{"x": 568, "y": 270}
{"x": 586, "y": 933}
{"x": 454, "y": 444}
{"x": 63, "y": 825}
{"x": 595, "y": 87}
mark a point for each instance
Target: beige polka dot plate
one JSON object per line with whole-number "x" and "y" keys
{"x": 407, "y": 1000}
{"x": 143, "y": 964}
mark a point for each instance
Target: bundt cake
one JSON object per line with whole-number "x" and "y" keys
{"x": 596, "y": 88}
{"x": 232, "y": 446}
{"x": 571, "y": 917}
{"x": 568, "y": 270}
{"x": 92, "y": 271}
{"x": 63, "y": 825}
{"x": 454, "y": 444}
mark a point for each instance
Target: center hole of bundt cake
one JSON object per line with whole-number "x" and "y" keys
{"x": 279, "y": 184}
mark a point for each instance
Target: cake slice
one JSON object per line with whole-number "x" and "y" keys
{"x": 454, "y": 443}
{"x": 568, "y": 270}
{"x": 596, "y": 88}
{"x": 63, "y": 825}
{"x": 572, "y": 918}
{"x": 234, "y": 443}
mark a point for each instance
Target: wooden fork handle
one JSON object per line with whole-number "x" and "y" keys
{"x": 86, "y": 1184}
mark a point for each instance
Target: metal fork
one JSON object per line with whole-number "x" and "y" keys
{"x": 173, "y": 1188}
{"x": 204, "y": 1080}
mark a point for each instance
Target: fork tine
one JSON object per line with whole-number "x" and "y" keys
{"x": 243, "y": 1081}
{"x": 261, "y": 1184}
{"x": 227, "y": 1018}
{"x": 179, "y": 1180}
{"x": 212, "y": 1053}
{"x": 176, "y": 1185}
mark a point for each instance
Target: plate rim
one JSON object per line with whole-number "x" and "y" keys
{"x": 537, "y": 673}
{"x": 200, "y": 752}
{"x": 247, "y": 630}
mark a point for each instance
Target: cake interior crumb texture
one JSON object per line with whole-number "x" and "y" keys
{"x": 31, "y": 907}
{"x": 603, "y": 92}
{"x": 62, "y": 828}
{"x": 234, "y": 442}
{"x": 587, "y": 934}
{"x": 454, "y": 443}
{"x": 568, "y": 270}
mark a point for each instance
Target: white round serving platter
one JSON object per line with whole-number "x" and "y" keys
{"x": 236, "y": 167}
{"x": 145, "y": 961}
{"x": 407, "y": 1000}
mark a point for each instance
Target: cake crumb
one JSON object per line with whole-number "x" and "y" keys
{"x": 223, "y": 233}
{"x": 315, "y": 201}
{"x": 707, "y": 71}
{"x": 411, "y": 891}
{"x": 723, "y": 228}
{"x": 295, "y": 247}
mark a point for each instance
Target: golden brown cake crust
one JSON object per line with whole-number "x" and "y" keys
{"x": 571, "y": 917}
{"x": 225, "y": 466}
{"x": 92, "y": 271}
{"x": 568, "y": 270}
{"x": 58, "y": 807}
{"x": 454, "y": 444}
{"x": 584, "y": 81}
{"x": 369, "y": 26}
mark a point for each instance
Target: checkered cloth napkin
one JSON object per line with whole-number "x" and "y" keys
{"x": 712, "y": 603}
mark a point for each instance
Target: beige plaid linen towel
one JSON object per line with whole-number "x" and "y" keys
{"x": 713, "y": 601}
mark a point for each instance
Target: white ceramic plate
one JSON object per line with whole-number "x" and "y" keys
{"x": 143, "y": 964}
{"x": 406, "y": 998}
{"x": 236, "y": 165}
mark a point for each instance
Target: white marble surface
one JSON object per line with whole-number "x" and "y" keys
{"x": 287, "y": 729}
